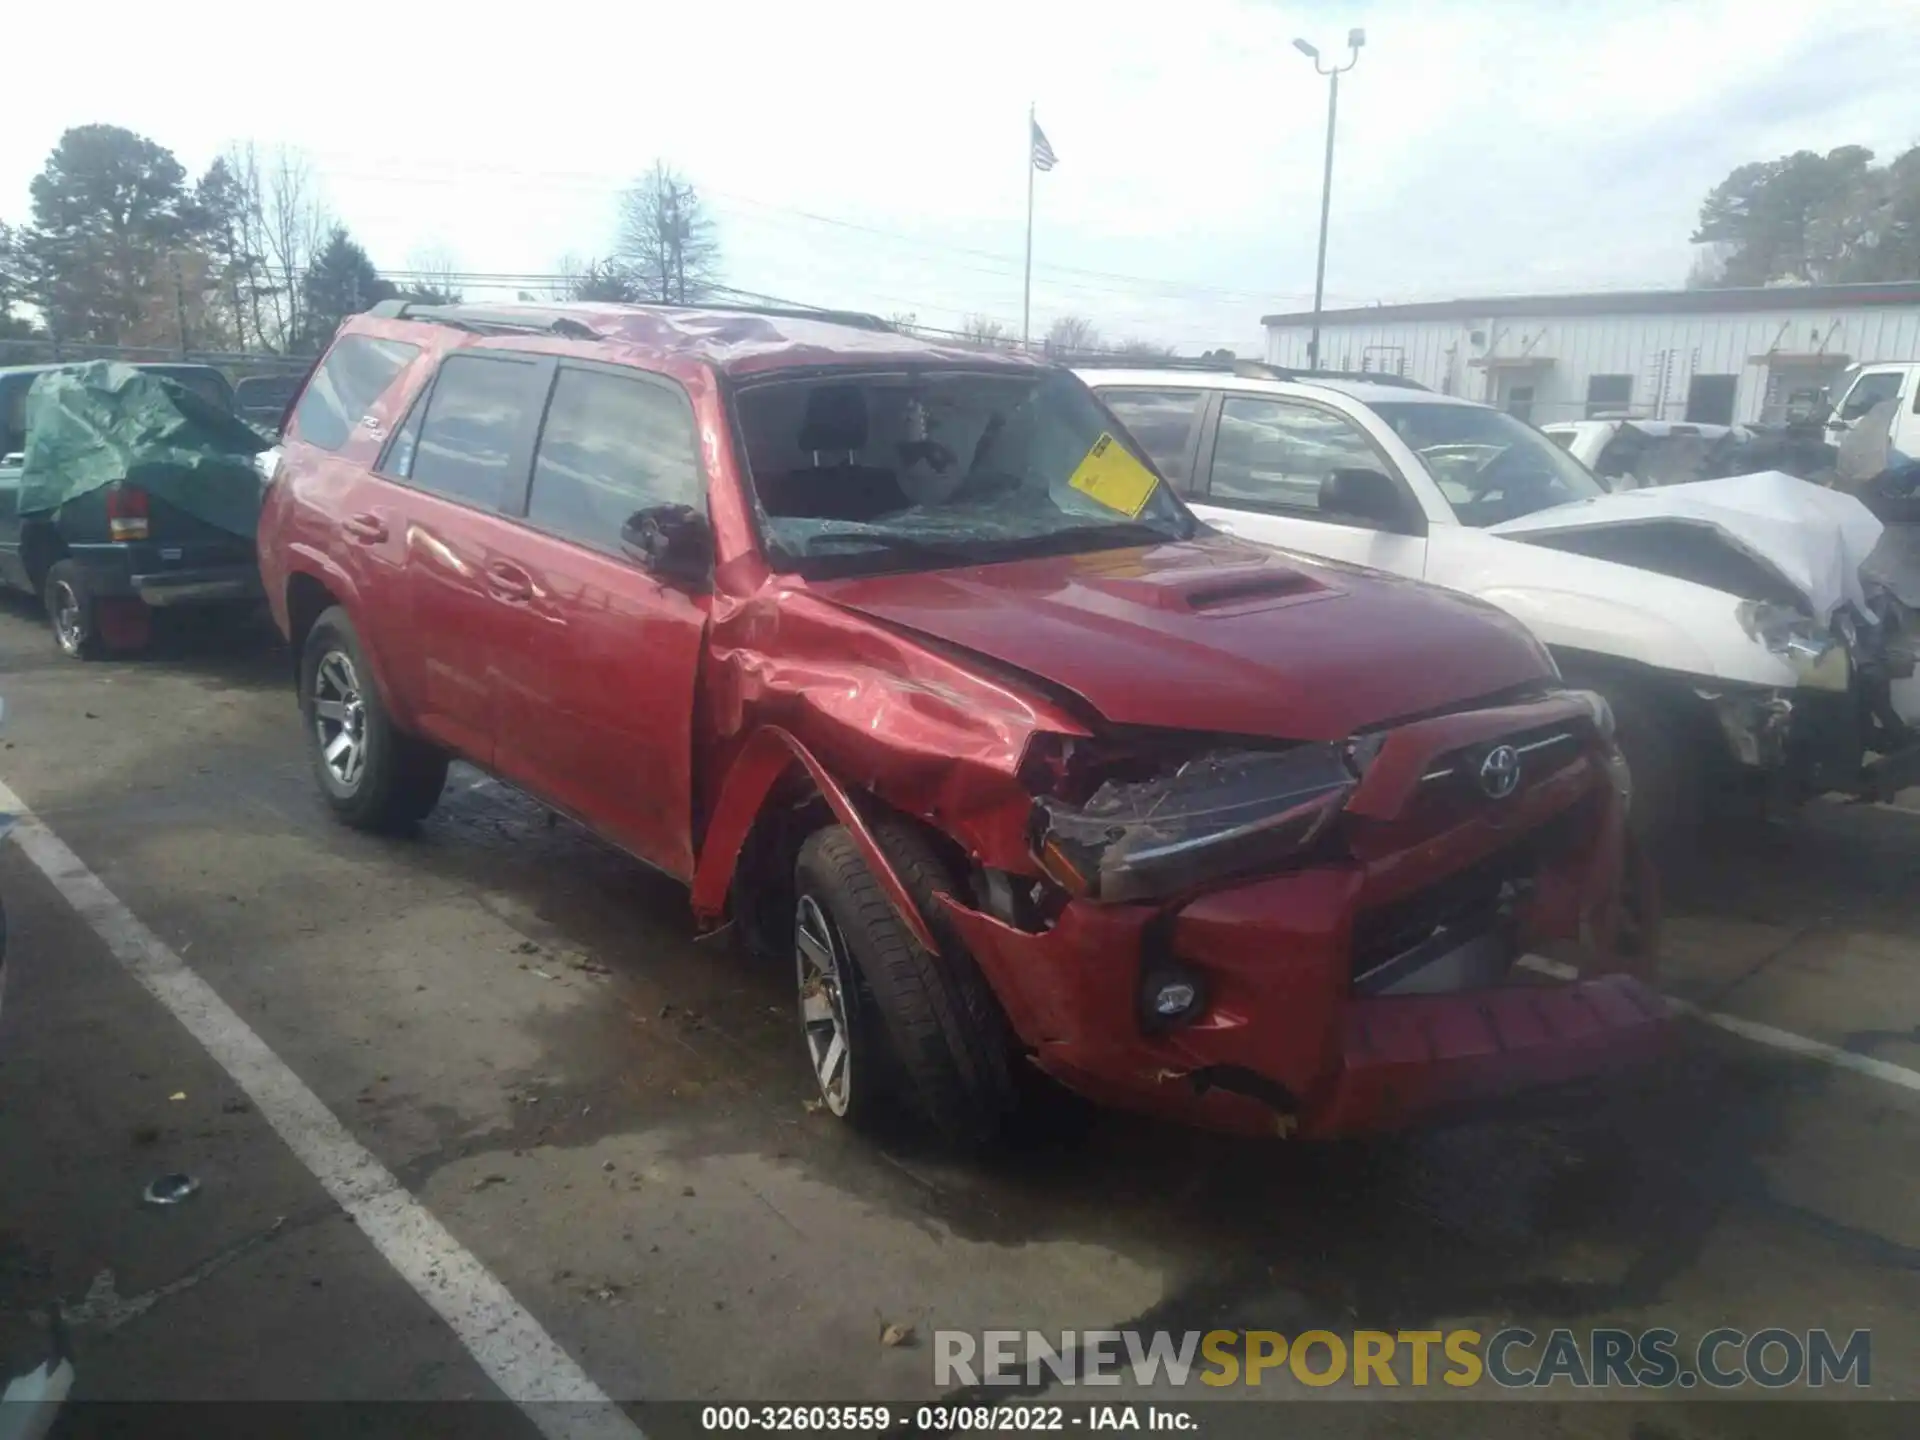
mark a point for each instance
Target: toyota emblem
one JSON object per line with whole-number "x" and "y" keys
{"x": 1500, "y": 772}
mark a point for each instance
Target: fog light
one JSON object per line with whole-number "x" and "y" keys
{"x": 1170, "y": 995}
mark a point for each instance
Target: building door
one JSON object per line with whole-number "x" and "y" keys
{"x": 1710, "y": 399}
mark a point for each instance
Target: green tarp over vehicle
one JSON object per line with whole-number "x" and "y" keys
{"x": 93, "y": 424}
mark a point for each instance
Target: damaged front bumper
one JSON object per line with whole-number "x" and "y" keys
{"x": 1817, "y": 735}
{"x": 1274, "y": 1028}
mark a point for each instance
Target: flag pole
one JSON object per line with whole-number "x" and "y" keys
{"x": 1026, "y": 289}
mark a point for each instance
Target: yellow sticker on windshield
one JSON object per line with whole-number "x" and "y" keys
{"x": 1111, "y": 475}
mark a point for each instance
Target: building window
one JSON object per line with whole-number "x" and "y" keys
{"x": 1520, "y": 403}
{"x": 1710, "y": 399}
{"x": 1608, "y": 393}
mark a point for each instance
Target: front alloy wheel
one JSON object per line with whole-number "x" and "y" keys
{"x": 820, "y": 958}
{"x": 340, "y": 719}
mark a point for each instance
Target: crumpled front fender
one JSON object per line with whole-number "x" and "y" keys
{"x": 767, "y": 756}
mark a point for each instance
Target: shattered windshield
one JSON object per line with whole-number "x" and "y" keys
{"x": 940, "y": 468}
{"x": 1490, "y": 466}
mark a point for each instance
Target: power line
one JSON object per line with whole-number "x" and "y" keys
{"x": 1174, "y": 289}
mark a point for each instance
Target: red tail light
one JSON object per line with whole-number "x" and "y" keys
{"x": 127, "y": 513}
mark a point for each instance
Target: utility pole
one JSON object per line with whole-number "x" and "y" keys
{"x": 1356, "y": 38}
{"x": 1026, "y": 286}
{"x": 180, "y": 304}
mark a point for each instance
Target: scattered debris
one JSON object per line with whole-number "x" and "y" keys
{"x": 813, "y": 1107}
{"x": 485, "y": 1180}
{"x": 526, "y": 947}
{"x": 896, "y": 1337}
{"x": 178, "y": 1095}
{"x": 541, "y": 973}
{"x": 607, "y": 1165}
{"x": 665, "y": 1011}
{"x": 170, "y": 1189}
{"x": 587, "y": 964}
{"x": 687, "y": 1190}
{"x": 609, "y": 1292}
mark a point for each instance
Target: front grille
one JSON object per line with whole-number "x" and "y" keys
{"x": 1468, "y": 902}
{"x": 1542, "y": 750}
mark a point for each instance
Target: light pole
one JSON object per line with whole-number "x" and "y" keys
{"x": 1355, "y": 39}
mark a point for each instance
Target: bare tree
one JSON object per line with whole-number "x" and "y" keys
{"x": 294, "y": 224}
{"x": 249, "y": 219}
{"x": 1071, "y": 335}
{"x": 1145, "y": 349}
{"x": 666, "y": 239}
{"x": 434, "y": 276}
{"x": 986, "y": 332}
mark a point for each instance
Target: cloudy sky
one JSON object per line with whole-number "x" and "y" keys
{"x": 873, "y": 154}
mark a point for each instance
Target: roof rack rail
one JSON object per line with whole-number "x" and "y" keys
{"x": 485, "y": 320}
{"x": 560, "y": 320}
{"x": 1245, "y": 369}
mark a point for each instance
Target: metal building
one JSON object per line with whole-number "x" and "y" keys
{"x": 1710, "y": 355}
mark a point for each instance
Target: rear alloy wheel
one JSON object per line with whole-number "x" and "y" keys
{"x": 70, "y": 610}
{"x": 340, "y": 718}
{"x": 374, "y": 776}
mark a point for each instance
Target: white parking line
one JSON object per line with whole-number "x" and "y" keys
{"x": 1835, "y": 1055}
{"x": 512, "y": 1347}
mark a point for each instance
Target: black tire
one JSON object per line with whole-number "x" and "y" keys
{"x": 1665, "y": 809}
{"x": 398, "y": 778}
{"x": 71, "y": 612}
{"x": 947, "y": 1043}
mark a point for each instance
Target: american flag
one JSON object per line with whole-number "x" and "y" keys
{"x": 1043, "y": 156}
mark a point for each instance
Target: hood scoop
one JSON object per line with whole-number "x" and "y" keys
{"x": 1220, "y": 590}
{"x": 1246, "y": 590}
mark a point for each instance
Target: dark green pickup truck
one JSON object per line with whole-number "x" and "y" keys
{"x": 103, "y": 560}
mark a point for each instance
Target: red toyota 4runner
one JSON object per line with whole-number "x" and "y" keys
{"x": 903, "y": 658}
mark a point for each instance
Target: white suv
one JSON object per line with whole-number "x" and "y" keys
{"x": 1725, "y": 620}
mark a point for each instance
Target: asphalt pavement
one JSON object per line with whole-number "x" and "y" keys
{"x": 490, "y": 1066}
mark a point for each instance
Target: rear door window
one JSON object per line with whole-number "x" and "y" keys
{"x": 476, "y": 423}
{"x": 1275, "y": 454}
{"x": 1163, "y": 421}
{"x": 356, "y": 372}
{"x": 612, "y": 444}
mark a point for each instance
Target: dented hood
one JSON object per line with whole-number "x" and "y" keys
{"x": 1216, "y": 635}
{"x": 1810, "y": 540}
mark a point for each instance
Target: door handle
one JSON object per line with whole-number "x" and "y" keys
{"x": 367, "y": 529}
{"x": 509, "y": 583}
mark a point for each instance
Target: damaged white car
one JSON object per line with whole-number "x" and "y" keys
{"x": 1726, "y": 621}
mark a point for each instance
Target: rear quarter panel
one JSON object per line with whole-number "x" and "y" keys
{"x": 314, "y": 489}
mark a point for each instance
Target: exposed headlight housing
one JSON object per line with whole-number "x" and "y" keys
{"x": 1818, "y": 657}
{"x": 1114, "y": 824}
